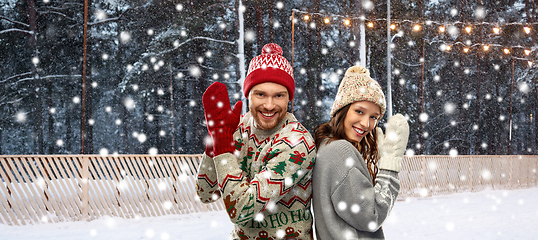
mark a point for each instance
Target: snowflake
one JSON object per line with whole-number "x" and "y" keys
{"x": 453, "y": 152}
{"x": 449, "y": 226}
{"x": 355, "y": 208}
{"x": 423, "y": 117}
{"x": 259, "y": 217}
{"x": 480, "y": 13}
{"x": 103, "y": 152}
{"x": 167, "y": 205}
{"x": 20, "y": 117}
{"x": 342, "y": 206}
{"x": 153, "y": 151}
{"x": 372, "y": 226}
{"x": 349, "y": 162}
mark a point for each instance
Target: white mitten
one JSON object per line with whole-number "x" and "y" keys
{"x": 392, "y": 145}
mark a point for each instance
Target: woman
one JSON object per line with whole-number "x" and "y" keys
{"x": 355, "y": 179}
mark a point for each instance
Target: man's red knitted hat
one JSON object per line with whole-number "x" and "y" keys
{"x": 270, "y": 66}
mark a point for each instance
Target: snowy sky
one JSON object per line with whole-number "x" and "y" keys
{"x": 490, "y": 214}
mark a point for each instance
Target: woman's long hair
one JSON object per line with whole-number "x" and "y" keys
{"x": 334, "y": 130}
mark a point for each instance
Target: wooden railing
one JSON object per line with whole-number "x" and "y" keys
{"x": 46, "y": 188}
{"x": 58, "y": 188}
{"x": 424, "y": 176}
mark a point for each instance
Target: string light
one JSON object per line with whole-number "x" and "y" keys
{"x": 530, "y": 63}
{"x": 442, "y": 28}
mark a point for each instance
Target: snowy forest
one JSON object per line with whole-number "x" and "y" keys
{"x": 130, "y": 80}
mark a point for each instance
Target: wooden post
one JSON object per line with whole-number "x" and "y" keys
{"x": 85, "y": 195}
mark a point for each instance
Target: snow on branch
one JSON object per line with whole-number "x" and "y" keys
{"x": 137, "y": 65}
{"x": 32, "y": 78}
{"x": 61, "y": 76}
{"x": 185, "y": 42}
{"x": 16, "y": 76}
{"x": 17, "y": 30}
{"x": 13, "y": 21}
{"x": 58, "y": 13}
{"x": 109, "y": 19}
{"x": 4, "y": 102}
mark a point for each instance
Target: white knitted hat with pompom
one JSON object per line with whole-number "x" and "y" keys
{"x": 357, "y": 85}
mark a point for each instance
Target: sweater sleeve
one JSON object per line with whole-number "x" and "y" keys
{"x": 355, "y": 200}
{"x": 206, "y": 181}
{"x": 288, "y": 167}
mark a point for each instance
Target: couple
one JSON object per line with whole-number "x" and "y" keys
{"x": 262, "y": 163}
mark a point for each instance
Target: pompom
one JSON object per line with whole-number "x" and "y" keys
{"x": 272, "y": 48}
{"x": 358, "y": 70}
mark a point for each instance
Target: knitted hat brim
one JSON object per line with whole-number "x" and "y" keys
{"x": 269, "y": 74}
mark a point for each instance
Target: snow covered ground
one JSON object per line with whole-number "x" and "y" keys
{"x": 490, "y": 214}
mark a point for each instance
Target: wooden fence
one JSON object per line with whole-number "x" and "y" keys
{"x": 46, "y": 188}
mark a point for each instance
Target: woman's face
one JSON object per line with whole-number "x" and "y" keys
{"x": 361, "y": 118}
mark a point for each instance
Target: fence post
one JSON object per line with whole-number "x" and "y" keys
{"x": 471, "y": 174}
{"x": 423, "y": 163}
{"x": 511, "y": 172}
{"x": 85, "y": 188}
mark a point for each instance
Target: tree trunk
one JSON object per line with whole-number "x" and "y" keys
{"x": 479, "y": 80}
{"x": 50, "y": 127}
{"x": 313, "y": 82}
{"x": 270, "y": 4}
{"x": 38, "y": 108}
{"x": 259, "y": 26}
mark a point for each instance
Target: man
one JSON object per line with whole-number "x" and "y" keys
{"x": 261, "y": 162}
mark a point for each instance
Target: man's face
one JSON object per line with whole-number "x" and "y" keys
{"x": 268, "y": 104}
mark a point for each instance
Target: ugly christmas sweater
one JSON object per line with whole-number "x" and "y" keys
{"x": 346, "y": 203}
{"x": 265, "y": 184}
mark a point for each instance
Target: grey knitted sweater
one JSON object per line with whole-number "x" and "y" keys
{"x": 346, "y": 204}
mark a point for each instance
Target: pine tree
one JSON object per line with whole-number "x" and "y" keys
{"x": 280, "y": 168}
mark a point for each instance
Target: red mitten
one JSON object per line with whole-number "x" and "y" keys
{"x": 220, "y": 118}
{"x": 209, "y": 146}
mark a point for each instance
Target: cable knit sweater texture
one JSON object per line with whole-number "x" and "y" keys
{"x": 266, "y": 184}
{"x": 346, "y": 204}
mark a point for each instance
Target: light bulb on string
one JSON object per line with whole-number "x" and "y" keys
{"x": 306, "y": 17}
{"x": 370, "y": 24}
{"x": 393, "y": 26}
{"x": 327, "y": 20}
{"x": 347, "y": 22}
{"x": 530, "y": 63}
{"x": 466, "y": 50}
{"x": 527, "y": 30}
{"x": 486, "y": 47}
{"x": 527, "y": 52}
{"x": 468, "y": 29}
{"x": 496, "y": 30}
{"x": 448, "y": 48}
{"x": 506, "y": 51}
{"x": 442, "y": 29}
{"x": 416, "y": 27}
